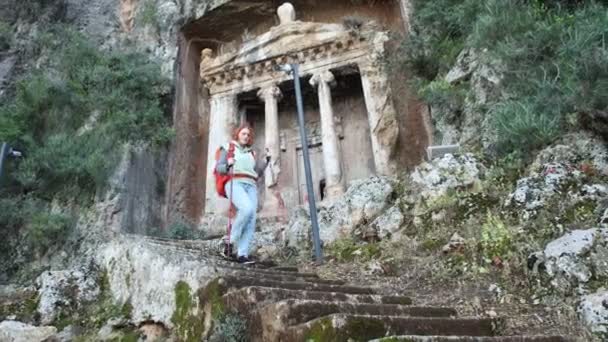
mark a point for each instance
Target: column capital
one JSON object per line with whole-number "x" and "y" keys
{"x": 270, "y": 92}
{"x": 326, "y": 77}
{"x": 367, "y": 68}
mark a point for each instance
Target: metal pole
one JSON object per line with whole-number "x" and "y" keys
{"x": 3, "y": 153}
{"x": 307, "y": 171}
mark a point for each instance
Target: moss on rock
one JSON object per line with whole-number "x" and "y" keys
{"x": 187, "y": 318}
{"x": 354, "y": 329}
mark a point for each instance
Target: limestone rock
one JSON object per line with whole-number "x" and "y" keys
{"x": 297, "y": 235}
{"x": 574, "y": 259}
{"x": 389, "y": 223}
{"x": 450, "y": 172}
{"x": 68, "y": 334}
{"x": 363, "y": 203}
{"x": 109, "y": 331}
{"x": 145, "y": 273}
{"x": 153, "y": 332}
{"x": 466, "y": 63}
{"x": 20, "y": 332}
{"x": 575, "y": 243}
{"x": 455, "y": 245}
{"x": 65, "y": 289}
{"x": 461, "y": 122}
{"x": 593, "y": 310}
{"x": 533, "y": 192}
{"x": 574, "y": 148}
{"x": 565, "y": 259}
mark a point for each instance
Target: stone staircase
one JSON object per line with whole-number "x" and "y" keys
{"x": 281, "y": 304}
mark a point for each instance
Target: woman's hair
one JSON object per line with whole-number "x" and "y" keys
{"x": 235, "y": 133}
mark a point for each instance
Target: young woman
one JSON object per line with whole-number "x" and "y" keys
{"x": 240, "y": 162}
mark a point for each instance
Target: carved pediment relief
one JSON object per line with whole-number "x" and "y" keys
{"x": 305, "y": 43}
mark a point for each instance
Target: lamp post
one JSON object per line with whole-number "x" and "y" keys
{"x": 7, "y": 151}
{"x": 294, "y": 70}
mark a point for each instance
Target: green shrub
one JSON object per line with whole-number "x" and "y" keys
{"x": 181, "y": 230}
{"x": 345, "y": 250}
{"x": 148, "y": 14}
{"x": 6, "y": 36}
{"x": 496, "y": 238}
{"x": 521, "y": 125}
{"x": 47, "y": 229}
{"x": 552, "y": 57}
{"x": 72, "y": 116}
{"x": 230, "y": 328}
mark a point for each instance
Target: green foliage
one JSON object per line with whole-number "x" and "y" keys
{"x": 439, "y": 29}
{"x": 149, "y": 13}
{"x": 43, "y": 228}
{"x": 181, "y": 230}
{"x": 72, "y": 117}
{"x": 188, "y": 325}
{"x": 526, "y": 125}
{"x": 230, "y": 328}
{"x": 345, "y": 250}
{"x": 6, "y": 36}
{"x": 47, "y": 229}
{"x": 496, "y": 238}
{"x": 552, "y": 57}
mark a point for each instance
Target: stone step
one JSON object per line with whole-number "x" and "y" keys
{"x": 262, "y": 270}
{"x": 474, "y": 339}
{"x": 236, "y": 282}
{"x": 271, "y": 320}
{"x": 281, "y": 277}
{"x": 342, "y": 327}
{"x": 285, "y": 268}
{"x": 250, "y": 298}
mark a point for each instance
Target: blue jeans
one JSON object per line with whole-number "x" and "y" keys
{"x": 245, "y": 199}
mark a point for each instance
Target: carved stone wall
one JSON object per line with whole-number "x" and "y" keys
{"x": 235, "y": 57}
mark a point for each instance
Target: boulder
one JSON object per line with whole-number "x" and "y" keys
{"x": 66, "y": 289}
{"x": 450, "y": 172}
{"x": 362, "y": 204}
{"x": 20, "y": 332}
{"x": 146, "y": 272}
{"x": 593, "y": 310}
{"x": 388, "y": 224}
{"x": 575, "y": 258}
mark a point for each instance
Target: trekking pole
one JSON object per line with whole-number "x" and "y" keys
{"x": 229, "y": 232}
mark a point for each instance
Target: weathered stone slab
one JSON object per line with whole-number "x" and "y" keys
{"x": 341, "y": 327}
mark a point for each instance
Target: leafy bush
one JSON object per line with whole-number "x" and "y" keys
{"x": 181, "y": 231}
{"x": 149, "y": 13}
{"x": 73, "y": 116}
{"x": 345, "y": 250}
{"x": 521, "y": 125}
{"x": 552, "y": 55}
{"x": 47, "y": 229}
{"x": 6, "y": 36}
{"x": 496, "y": 238}
{"x": 230, "y": 328}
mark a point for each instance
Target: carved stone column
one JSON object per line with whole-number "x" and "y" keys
{"x": 331, "y": 153}
{"x": 271, "y": 96}
{"x": 381, "y": 115}
{"x": 222, "y": 117}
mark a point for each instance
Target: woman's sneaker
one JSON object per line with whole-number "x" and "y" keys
{"x": 245, "y": 260}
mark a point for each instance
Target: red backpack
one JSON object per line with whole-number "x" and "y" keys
{"x": 220, "y": 179}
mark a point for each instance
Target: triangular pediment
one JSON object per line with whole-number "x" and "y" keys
{"x": 284, "y": 40}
